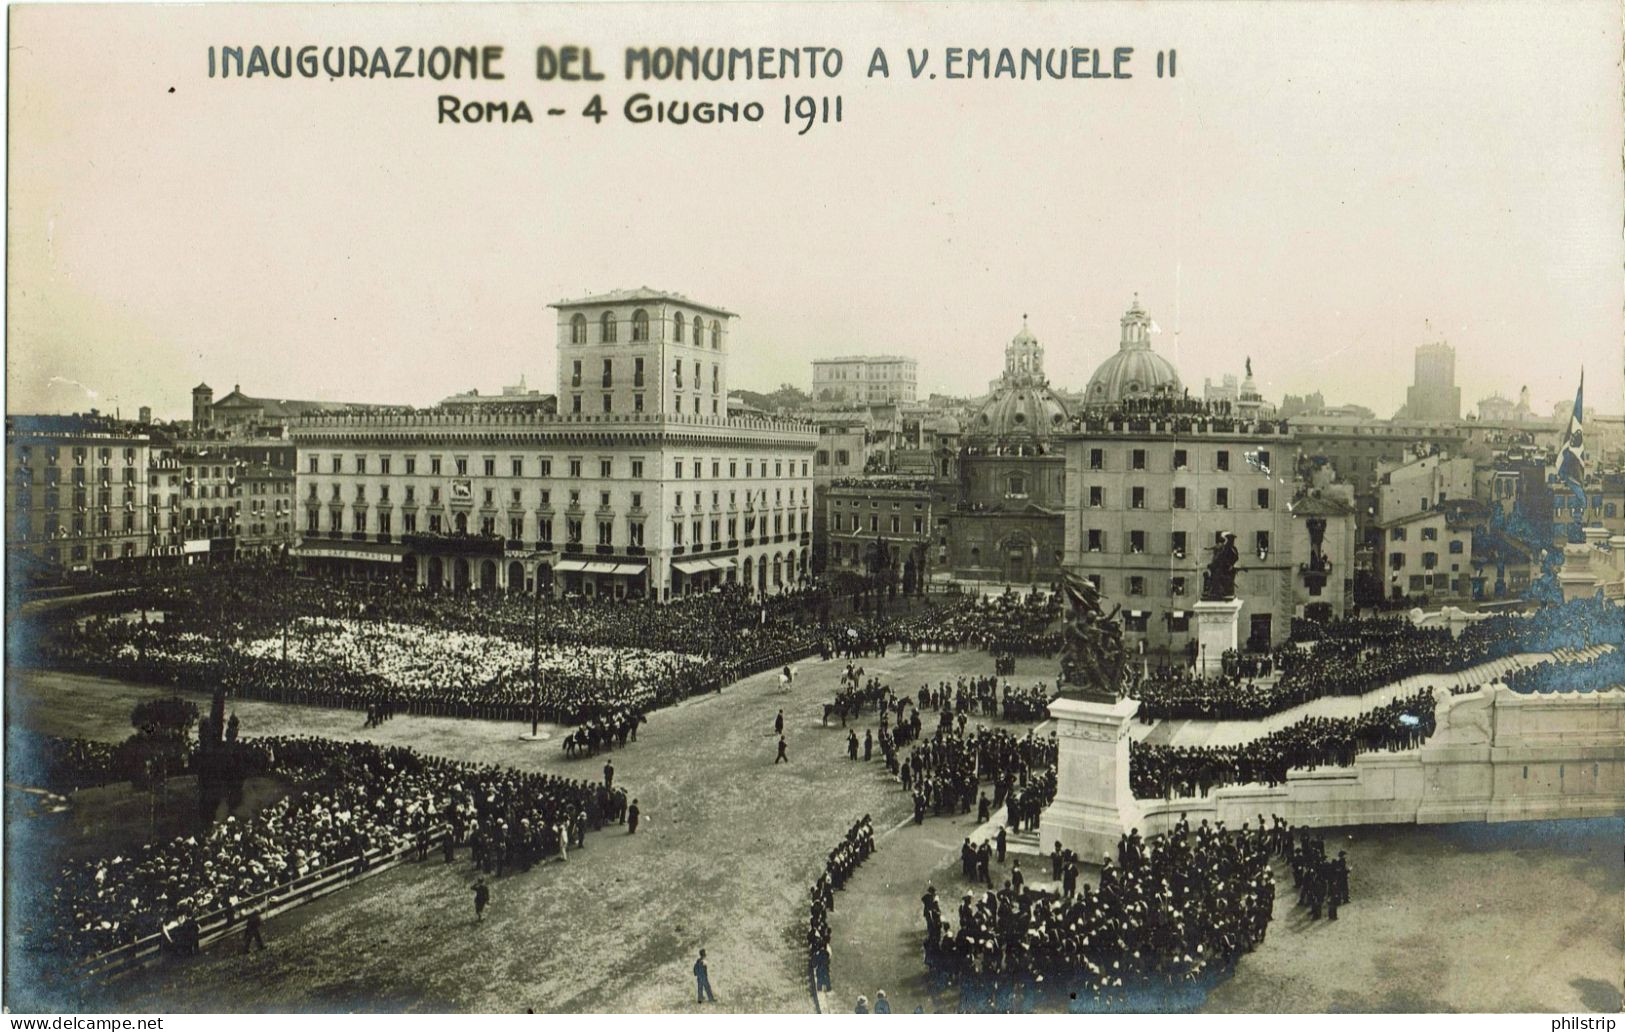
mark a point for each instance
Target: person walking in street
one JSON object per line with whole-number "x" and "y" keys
{"x": 632, "y": 813}
{"x": 482, "y": 896}
{"x": 702, "y": 981}
{"x": 783, "y": 756}
{"x": 778, "y": 723}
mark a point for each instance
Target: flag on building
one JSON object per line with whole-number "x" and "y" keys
{"x": 1571, "y": 453}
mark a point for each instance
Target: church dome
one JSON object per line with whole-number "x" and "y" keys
{"x": 1022, "y": 406}
{"x": 1020, "y": 412}
{"x": 1135, "y": 371}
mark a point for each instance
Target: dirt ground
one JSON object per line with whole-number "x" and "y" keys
{"x": 1518, "y": 917}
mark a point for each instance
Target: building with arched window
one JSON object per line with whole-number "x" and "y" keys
{"x": 637, "y": 485}
{"x": 674, "y": 359}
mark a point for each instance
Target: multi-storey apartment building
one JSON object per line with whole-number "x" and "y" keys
{"x": 1147, "y": 499}
{"x": 634, "y": 488}
{"x": 264, "y": 502}
{"x": 1429, "y": 552}
{"x": 78, "y": 494}
{"x": 908, "y": 514}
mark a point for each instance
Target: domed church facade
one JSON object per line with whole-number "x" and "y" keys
{"x": 1010, "y": 523}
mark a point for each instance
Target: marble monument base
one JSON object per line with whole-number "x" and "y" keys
{"x": 1093, "y": 804}
{"x": 1577, "y": 577}
{"x": 1216, "y": 633}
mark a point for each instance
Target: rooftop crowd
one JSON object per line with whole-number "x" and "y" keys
{"x": 351, "y": 800}
{"x": 1180, "y": 413}
{"x": 1165, "y": 771}
{"x": 1352, "y": 657}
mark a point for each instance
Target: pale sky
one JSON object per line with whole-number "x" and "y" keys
{"x": 1323, "y": 187}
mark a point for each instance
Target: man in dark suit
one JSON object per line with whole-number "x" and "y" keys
{"x": 251, "y": 932}
{"x": 702, "y": 981}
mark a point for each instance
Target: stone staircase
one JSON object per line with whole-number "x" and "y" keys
{"x": 1236, "y": 732}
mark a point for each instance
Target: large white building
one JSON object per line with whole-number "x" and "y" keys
{"x": 864, "y": 380}
{"x": 640, "y": 485}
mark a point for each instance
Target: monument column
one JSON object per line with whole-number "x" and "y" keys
{"x": 1094, "y": 804}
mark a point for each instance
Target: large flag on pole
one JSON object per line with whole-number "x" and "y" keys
{"x": 1571, "y": 455}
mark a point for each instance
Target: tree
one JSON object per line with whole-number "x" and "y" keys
{"x": 221, "y": 762}
{"x": 164, "y": 718}
{"x": 160, "y": 748}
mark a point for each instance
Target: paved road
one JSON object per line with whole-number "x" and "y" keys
{"x": 1520, "y": 917}
{"x": 729, "y": 845}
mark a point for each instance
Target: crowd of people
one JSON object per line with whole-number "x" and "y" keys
{"x": 1170, "y": 914}
{"x": 1352, "y": 657}
{"x": 61, "y": 764}
{"x": 1167, "y": 771}
{"x": 945, "y": 773}
{"x": 846, "y": 857}
{"x": 266, "y": 634}
{"x": 1180, "y": 414}
{"x": 351, "y": 802}
{"x": 954, "y": 703}
{"x": 1604, "y": 673}
{"x": 1321, "y": 881}
{"x": 1008, "y": 625}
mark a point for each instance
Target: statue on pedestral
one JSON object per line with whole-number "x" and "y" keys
{"x": 1219, "y": 582}
{"x": 1092, "y": 655}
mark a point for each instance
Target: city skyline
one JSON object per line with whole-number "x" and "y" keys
{"x": 329, "y": 241}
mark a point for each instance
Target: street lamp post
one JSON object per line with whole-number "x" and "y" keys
{"x": 535, "y": 664}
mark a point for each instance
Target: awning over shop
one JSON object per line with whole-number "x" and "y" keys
{"x": 591, "y": 566}
{"x": 693, "y": 566}
{"x": 368, "y": 551}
